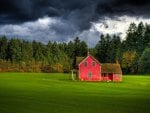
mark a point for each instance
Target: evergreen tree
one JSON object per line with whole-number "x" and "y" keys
{"x": 49, "y": 53}
{"x": 37, "y": 52}
{"x": 101, "y": 49}
{"x": 14, "y": 50}
{"x": 140, "y": 38}
{"x": 55, "y": 53}
{"x": 3, "y": 47}
{"x": 70, "y": 49}
{"x": 144, "y": 62}
{"x": 108, "y": 48}
{"x": 115, "y": 49}
{"x": 146, "y": 38}
{"x": 79, "y": 49}
{"x": 131, "y": 41}
{"x": 26, "y": 52}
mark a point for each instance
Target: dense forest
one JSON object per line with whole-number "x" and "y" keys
{"x": 133, "y": 53}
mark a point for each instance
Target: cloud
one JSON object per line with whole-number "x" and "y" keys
{"x": 58, "y": 20}
{"x": 54, "y": 29}
{"x": 80, "y": 12}
{"x": 44, "y": 29}
{"x": 124, "y": 7}
{"x": 119, "y": 25}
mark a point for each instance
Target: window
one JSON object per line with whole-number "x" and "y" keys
{"x": 105, "y": 75}
{"x": 117, "y": 75}
{"x": 85, "y": 63}
{"x": 89, "y": 75}
{"x": 93, "y": 63}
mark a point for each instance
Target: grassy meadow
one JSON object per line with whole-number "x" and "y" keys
{"x": 55, "y": 93}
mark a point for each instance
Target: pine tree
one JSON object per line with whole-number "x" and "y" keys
{"x": 144, "y": 62}
{"x": 14, "y": 50}
{"x": 3, "y": 47}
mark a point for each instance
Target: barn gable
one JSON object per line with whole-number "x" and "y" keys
{"x": 79, "y": 60}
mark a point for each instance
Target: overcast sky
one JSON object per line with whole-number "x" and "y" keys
{"x": 63, "y": 20}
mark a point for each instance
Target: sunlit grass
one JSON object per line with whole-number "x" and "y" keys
{"x": 55, "y": 93}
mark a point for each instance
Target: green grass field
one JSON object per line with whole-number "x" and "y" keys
{"x": 55, "y": 93}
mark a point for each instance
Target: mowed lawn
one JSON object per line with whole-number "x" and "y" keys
{"x": 55, "y": 93}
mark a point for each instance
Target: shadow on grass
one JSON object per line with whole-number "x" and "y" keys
{"x": 79, "y": 81}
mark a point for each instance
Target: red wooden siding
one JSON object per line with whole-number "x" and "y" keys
{"x": 107, "y": 77}
{"x": 117, "y": 77}
{"x": 111, "y": 77}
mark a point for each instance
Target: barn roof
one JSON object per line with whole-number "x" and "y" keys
{"x": 80, "y": 59}
{"x": 111, "y": 68}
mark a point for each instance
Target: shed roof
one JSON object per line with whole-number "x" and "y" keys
{"x": 111, "y": 68}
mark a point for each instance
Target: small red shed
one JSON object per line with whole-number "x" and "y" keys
{"x": 89, "y": 69}
{"x": 111, "y": 72}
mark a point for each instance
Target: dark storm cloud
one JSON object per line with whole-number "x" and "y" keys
{"x": 124, "y": 7}
{"x": 79, "y": 12}
{"x": 68, "y": 18}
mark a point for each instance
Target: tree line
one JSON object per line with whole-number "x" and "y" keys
{"x": 133, "y": 53}
{"x": 21, "y": 55}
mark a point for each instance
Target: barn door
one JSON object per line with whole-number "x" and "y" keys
{"x": 89, "y": 75}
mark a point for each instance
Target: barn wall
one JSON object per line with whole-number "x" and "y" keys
{"x": 85, "y": 70}
{"x": 117, "y": 77}
{"x": 107, "y": 77}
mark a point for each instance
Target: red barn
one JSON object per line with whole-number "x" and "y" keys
{"x": 90, "y": 69}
